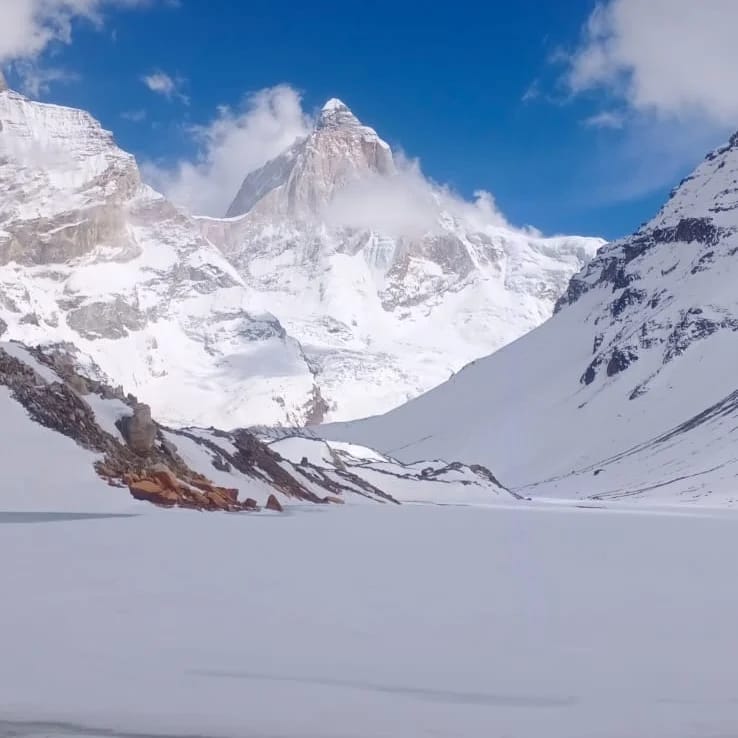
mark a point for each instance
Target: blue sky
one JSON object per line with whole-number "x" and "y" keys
{"x": 482, "y": 93}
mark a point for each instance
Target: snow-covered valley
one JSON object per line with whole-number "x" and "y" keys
{"x": 371, "y": 621}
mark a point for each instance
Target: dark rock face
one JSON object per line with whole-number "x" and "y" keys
{"x": 620, "y": 361}
{"x": 3, "y": 327}
{"x": 689, "y": 230}
{"x": 139, "y": 429}
{"x": 629, "y": 296}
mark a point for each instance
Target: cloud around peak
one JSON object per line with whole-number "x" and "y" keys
{"x": 238, "y": 141}
{"x": 235, "y": 142}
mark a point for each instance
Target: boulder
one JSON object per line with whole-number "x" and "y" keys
{"x": 139, "y": 430}
{"x": 274, "y": 504}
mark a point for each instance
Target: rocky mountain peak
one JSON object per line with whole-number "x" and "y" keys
{"x": 302, "y": 181}
{"x": 336, "y": 113}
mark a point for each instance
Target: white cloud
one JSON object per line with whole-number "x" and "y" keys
{"x": 660, "y": 76}
{"x": 605, "y": 119}
{"x": 234, "y": 143}
{"x": 163, "y": 84}
{"x": 27, "y": 27}
{"x": 664, "y": 57}
{"x": 407, "y": 204}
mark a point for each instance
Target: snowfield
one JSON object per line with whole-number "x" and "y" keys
{"x": 529, "y": 621}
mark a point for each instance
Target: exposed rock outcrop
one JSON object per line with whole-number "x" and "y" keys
{"x": 139, "y": 429}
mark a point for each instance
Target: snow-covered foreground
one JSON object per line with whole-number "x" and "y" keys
{"x": 528, "y": 621}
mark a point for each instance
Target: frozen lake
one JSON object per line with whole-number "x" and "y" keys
{"x": 528, "y": 621}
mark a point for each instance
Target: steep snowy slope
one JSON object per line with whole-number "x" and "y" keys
{"x": 630, "y": 389}
{"x": 389, "y": 283}
{"x": 91, "y": 256}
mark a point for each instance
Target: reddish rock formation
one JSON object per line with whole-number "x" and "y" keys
{"x": 274, "y": 504}
{"x": 152, "y": 491}
{"x": 161, "y": 487}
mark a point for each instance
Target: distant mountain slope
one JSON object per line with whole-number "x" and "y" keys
{"x": 630, "y": 389}
{"x": 389, "y": 283}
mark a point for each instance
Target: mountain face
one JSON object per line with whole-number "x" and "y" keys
{"x": 389, "y": 283}
{"x": 91, "y": 257}
{"x": 629, "y": 390}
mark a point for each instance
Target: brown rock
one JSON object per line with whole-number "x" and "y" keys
{"x": 250, "y": 504}
{"x": 218, "y": 500}
{"x": 334, "y": 500}
{"x": 165, "y": 477}
{"x": 231, "y": 494}
{"x": 274, "y": 504}
{"x": 151, "y": 491}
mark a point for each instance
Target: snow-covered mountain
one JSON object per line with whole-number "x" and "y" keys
{"x": 389, "y": 283}
{"x": 91, "y": 256}
{"x": 629, "y": 390}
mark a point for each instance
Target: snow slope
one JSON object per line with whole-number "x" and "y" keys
{"x": 389, "y": 282}
{"x": 70, "y": 424}
{"x": 371, "y": 621}
{"x": 91, "y": 256}
{"x": 629, "y": 389}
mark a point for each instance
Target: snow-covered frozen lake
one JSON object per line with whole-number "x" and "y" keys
{"x": 527, "y": 621}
